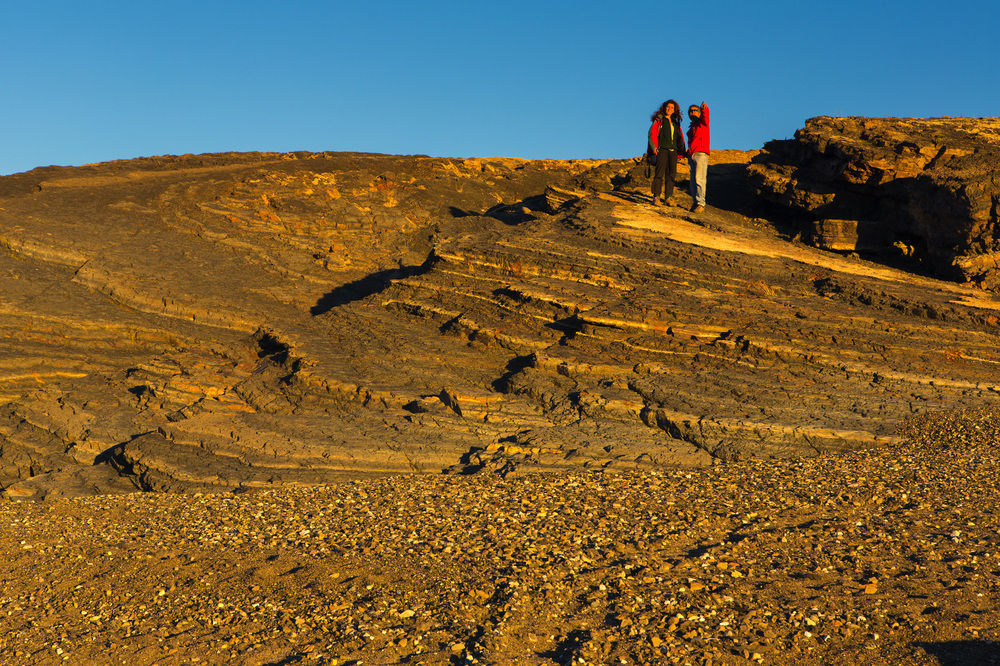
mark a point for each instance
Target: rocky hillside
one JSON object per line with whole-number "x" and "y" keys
{"x": 234, "y": 321}
{"x": 665, "y": 437}
{"x": 924, "y": 189}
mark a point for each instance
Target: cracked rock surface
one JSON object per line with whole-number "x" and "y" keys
{"x": 230, "y": 321}
{"x": 667, "y": 437}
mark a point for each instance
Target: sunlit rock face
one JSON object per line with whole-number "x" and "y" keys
{"x": 924, "y": 188}
{"x": 248, "y": 320}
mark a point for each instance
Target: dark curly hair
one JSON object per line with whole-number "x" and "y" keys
{"x": 662, "y": 110}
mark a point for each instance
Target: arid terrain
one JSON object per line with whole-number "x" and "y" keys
{"x": 879, "y": 556}
{"x": 334, "y": 408}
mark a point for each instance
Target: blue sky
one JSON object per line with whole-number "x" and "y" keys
{"x": 86, "y": 82}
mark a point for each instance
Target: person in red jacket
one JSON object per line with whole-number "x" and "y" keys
{"x": 666, "y": 142}
{"x": 699, "y": 139}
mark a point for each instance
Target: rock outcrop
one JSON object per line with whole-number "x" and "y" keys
{"x": 236, "y": 321}
{"x": 928, "y": 189}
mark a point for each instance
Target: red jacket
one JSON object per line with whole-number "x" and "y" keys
{"x": 699, "y": 136}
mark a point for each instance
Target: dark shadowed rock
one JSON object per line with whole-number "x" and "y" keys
{"x": 923, "y": 188}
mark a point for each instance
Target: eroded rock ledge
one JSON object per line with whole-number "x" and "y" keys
{"x": 236, "y": 321}
{"x": 925, "y": 188}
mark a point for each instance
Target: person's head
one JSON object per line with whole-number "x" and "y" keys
{"x": 669, "y": 109}
{"x": 694, "y": 112}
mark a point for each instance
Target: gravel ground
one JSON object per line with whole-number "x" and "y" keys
{"x": 878, "y": 556}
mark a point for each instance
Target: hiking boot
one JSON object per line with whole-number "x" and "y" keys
{"x": 656, "y": 201}
{"x": 698, "y": 208}
{"x": 669, "y": 201}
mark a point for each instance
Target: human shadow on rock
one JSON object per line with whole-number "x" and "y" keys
{"x": 963, "y": 653}
{"x": 366, "y": 286}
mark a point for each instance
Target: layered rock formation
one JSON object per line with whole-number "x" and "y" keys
{"x": 232, "y": 321}
{"x": 923, "y": 188}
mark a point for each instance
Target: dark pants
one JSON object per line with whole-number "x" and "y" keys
{"x": 666, "y": 172}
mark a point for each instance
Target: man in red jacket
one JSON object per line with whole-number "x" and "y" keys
{"x": 698, "y": 151}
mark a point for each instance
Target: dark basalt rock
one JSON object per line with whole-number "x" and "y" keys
{"x": 924, "y": 188}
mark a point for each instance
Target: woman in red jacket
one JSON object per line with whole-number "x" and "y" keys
{"x": 666, "y": 142}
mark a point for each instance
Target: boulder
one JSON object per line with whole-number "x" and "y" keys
{"x": 926, "y": 187}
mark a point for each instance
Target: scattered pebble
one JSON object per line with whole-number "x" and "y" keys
{"x": 880, "y": 556}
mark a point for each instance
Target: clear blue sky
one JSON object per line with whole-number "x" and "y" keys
{"x": 90, "y": 81}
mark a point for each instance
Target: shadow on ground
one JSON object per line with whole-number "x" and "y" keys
{"x": 964, "y": 653}
{"x": 365, "y": 287}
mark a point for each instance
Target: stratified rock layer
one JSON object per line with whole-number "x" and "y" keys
{"x": 926, "y": 188}
{"x": 227, "y": 321}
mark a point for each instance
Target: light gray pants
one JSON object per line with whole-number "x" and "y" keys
{"x": 698, "y": 163}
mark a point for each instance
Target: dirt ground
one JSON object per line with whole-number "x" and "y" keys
{"x": 886, "y": 555}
